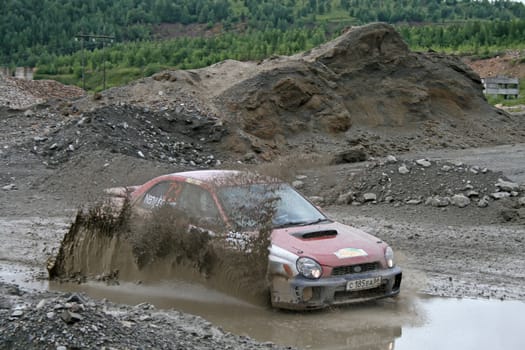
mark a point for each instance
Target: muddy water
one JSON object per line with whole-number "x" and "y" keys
{"x": 467, "y": 324}
{"x": 409, "y": 322}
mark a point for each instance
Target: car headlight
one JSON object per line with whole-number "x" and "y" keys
{"x": 309, "y": 268}
{"x": 389, "y": 257}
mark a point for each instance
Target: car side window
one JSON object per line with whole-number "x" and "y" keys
{"x": 172, "y": 194}
{"x": 198, "y": 204}
{"x": 162, "y": 193}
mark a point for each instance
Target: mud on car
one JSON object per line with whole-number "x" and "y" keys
{"x": 313, "y": 261}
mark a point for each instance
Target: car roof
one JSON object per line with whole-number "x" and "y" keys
{"x": 219, "y": 178}
{"x": 208, "y": 175}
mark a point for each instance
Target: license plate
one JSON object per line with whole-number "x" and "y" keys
{"x": 366, "y": 283}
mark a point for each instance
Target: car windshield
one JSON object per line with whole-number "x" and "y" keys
{"x": 251, "y": 206}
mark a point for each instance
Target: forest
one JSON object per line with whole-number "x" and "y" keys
{"x": 46, "y": 33}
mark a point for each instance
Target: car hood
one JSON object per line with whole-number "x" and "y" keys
{"x": 331, "y": 244}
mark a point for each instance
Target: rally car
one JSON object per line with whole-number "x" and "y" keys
{"x": 313, "y": 261}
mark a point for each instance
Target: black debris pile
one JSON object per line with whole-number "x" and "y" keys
{"x": 169, "y": 136}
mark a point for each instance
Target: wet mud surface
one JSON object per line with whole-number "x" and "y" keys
{"x": 412, "y": 321}
{"x": 409, "y": 321}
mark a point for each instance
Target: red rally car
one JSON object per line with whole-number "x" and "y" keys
{"x": 314, "y": 262}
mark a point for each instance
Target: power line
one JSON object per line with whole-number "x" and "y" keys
{"x": 82, "y": 38}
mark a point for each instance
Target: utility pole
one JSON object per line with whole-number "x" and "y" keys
{"x": 83, "y": 77}
{"x": 104, "y": 65}
{"x": 83, "y": 37}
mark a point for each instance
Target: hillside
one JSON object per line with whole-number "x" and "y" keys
{"x": 506, "y": 64}
{"x": 364, "y": 90}
{"x": 30, "y": 38}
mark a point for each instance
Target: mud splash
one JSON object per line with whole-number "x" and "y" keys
{"x": 107, "y": 245}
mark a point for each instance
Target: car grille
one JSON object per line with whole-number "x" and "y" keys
{"x": 342, "y": 296}
{"x": 345, "y": 270}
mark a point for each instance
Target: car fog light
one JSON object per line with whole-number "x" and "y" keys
{"x": 307, "y": 293}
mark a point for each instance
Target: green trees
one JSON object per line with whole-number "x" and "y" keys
{"x": 50, "y": 25}
{"x": 467, "y": 36}
{"x": 145, "y": 58}
{"x": 41, "y": 32}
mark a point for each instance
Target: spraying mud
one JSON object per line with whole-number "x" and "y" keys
{"x": 112, "y": 246}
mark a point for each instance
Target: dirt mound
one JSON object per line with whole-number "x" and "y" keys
{"x": 510, "y": 63}
{"x": 365, "y": 79}
{"x": 21, "y": 94}
{"x": 167, "y": 136}
{"x": 363, "y": 88}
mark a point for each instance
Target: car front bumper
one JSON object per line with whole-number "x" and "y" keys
{"x": 299, "y": 293}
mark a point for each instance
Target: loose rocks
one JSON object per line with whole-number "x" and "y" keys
{"x": 507, "y": 186}
{"x": 460, "y": 200}
{"x": 441, "y": 183}
{"x": 100, "y": 324}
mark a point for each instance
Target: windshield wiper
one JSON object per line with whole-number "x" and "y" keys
{"x": 290, "y": 223}
{"x": 300, "y": 223}
{"x": 317, "y": 221}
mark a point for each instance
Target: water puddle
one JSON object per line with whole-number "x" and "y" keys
{"x": 408, "y": 322}
{"x": 467, "y": 324}
{"x": 23, "y": 275}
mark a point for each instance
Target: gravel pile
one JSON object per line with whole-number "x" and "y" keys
{"x": 47, "y": 320}
{"x": 171, "y": 136}
{"x": 22, "y": 94}
{"x": 467, "y": 190}
{"x": 435, "y": 183}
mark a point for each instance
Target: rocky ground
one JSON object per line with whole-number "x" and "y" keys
{"x": 439, "y": 184}
{"x": 63, "y": 321}
{"x": 457, "y": 225}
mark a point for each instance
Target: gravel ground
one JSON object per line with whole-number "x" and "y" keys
{"x": 45, "y": 320}
{"x": 463, "y": 252}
